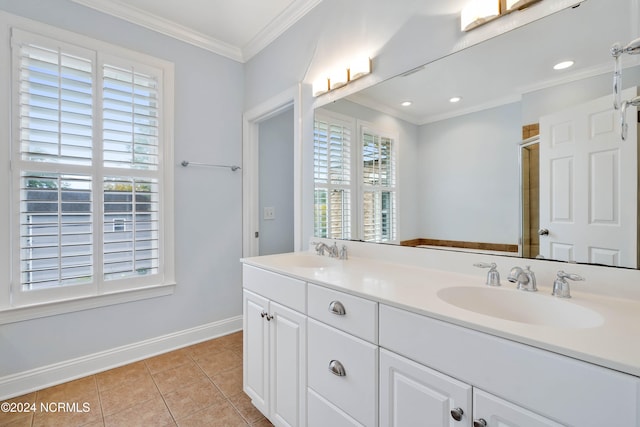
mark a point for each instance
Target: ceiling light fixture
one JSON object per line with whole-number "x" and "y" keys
{"x": 406, "y": 103}
{"x": 563, "y": 65}
{"x": 455, "y": 99}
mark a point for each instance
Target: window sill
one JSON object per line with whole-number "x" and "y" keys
{"x": 19, "y": 314}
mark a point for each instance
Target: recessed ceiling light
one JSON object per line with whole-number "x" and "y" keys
{"x": 562, "y": 65}
{"x": 455, "y": 99}
{"x": 406, "y": 103}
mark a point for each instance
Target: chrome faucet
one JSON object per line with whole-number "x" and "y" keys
{"x": 493, "y": 276}
{"x": 561, "y": 287}
{"x": 525, "y": 279}
{"x": 333, "y": 250}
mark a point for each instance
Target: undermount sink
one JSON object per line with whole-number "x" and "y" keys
{"x": 523, "y": 307}
{"x": 304, "y": 260}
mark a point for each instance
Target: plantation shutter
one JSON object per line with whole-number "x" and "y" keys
{"x": 78, "y": 172}
{"x": 332, "y": 178}
{"x": 54, "y": 97}
{"x": 379, "y": 188}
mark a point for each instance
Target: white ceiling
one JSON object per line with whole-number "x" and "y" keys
{"x": 502, "y": 69}
{"x": 237, "y": 29}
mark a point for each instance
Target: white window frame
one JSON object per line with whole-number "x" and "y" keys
{"x": 381, "y": 132}
{"x": 357, "y": 187}
{"x": 55, "y": 301}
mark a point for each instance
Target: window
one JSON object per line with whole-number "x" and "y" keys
{"x": 91, "y": 195}
{"x": 378, "y": 187}
{"x": 332, "y": 178}
{"x": 355, "y": 181}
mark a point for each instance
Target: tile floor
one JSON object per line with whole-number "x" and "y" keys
{"x": 200, "y": 385}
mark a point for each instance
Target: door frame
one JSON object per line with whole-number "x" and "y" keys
{"x": 251, "y": 120}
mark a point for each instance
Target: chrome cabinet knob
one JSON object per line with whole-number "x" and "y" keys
{"x": 337, "y": 308}
{"x": 269, "y": 317}
{"x": 457, "y": 413}
{"x": 336, "y": 368}
{"x": 263, "y": 313}
{"x": 480, "y": 422}
{"x": 543, "y": 232}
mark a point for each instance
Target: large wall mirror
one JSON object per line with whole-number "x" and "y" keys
{"x": 529, "y": 162}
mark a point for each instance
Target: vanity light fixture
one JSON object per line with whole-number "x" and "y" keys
{"x": 320, "y": 86}
{"x": 342, "y": 76}
{"x": 455, "y": 99}
{"x": 563, "y": 65}
{"x": 406, "y": 103}
{"x": 479, "y": 12}
{"x": 338, "y": 78}
{"x": 512, "y": 5}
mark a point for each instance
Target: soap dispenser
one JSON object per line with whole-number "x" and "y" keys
{"x": 493, "y": 276}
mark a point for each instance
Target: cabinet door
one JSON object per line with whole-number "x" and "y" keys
{"x": 499, "y": 413}
{"x": 256, "y": 350}
{"x": 414, "y": 395}
{"x": 288, "y": 341}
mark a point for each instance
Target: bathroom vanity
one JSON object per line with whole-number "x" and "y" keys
{"x": 371, "y": 342}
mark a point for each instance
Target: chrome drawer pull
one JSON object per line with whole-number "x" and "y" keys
{"x": 336, "y": 368}
{"x": 337, "y": 308}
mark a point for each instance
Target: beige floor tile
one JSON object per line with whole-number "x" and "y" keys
{"x": 243, "y": 404}
{"x": 194, "y": 397}
{"x": 219, "y": 415}
{"x": 213, "y": 364}
{"x": 167, "y": 361}
{"x": 119, "y": 398}
{"x": 119, "y": 376}
{"x": 70, "y": 416}
{"x": 262, "y": 423}
{"x": 172, "y": 379}
{"x": 69, "y": 391}
{"x": 150, "y": 413}
{"x": 229, "y": 382}
{"x": 22, "y": 415}
{"x": 205, "y": 348}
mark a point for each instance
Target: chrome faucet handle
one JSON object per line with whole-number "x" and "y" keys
{"x": 343, "y": 252}
{"x": 319, "y": 247}
{"x": 561, "y": 288}
{"x": 334, "y": 251}
{"x": 493, "y": 276}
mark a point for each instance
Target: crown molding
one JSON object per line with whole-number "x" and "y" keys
{"x": 281, "y": 23}
{"x": 164, "y": 26}
{"x": 117, "y": 8}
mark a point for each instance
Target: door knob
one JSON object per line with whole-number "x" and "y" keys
{"x": 543, "y": 232}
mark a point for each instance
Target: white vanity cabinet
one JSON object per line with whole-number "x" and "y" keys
{"x": 274, "y": 353}
{"x": 342, "y": 359}
{"x": 513, "y": 384}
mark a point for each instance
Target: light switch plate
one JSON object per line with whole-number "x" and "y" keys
{"x": 269, "y": 213}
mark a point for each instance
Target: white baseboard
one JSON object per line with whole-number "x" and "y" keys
{"x": 35, "y": 379}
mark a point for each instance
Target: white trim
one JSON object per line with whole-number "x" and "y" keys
{"x": 57, "y": 373}
{"x": 292, "y": 14}
{"x": 19, "y": 314}
{"x": 250, "y": 167}
{"x": 281, "y": 23}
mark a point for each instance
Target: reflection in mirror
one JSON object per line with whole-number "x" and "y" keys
{"x": 399, "y": 163}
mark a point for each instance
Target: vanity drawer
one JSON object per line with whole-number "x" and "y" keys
{"x": 355, "y": 392}
{"x": 277, "y": 287}
{"x": 360, "y": 316}
{"x": 322, "y": 413}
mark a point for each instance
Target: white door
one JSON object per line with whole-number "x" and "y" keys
{"x": 588, "y": 185}
{"x": 499, "y": 413}
{"x": 288, "y": 340}
{"x": 414, "y": 395}
{"x": 256, "y": 351}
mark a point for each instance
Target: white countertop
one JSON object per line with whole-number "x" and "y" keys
{"x": 614, "y": 343}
